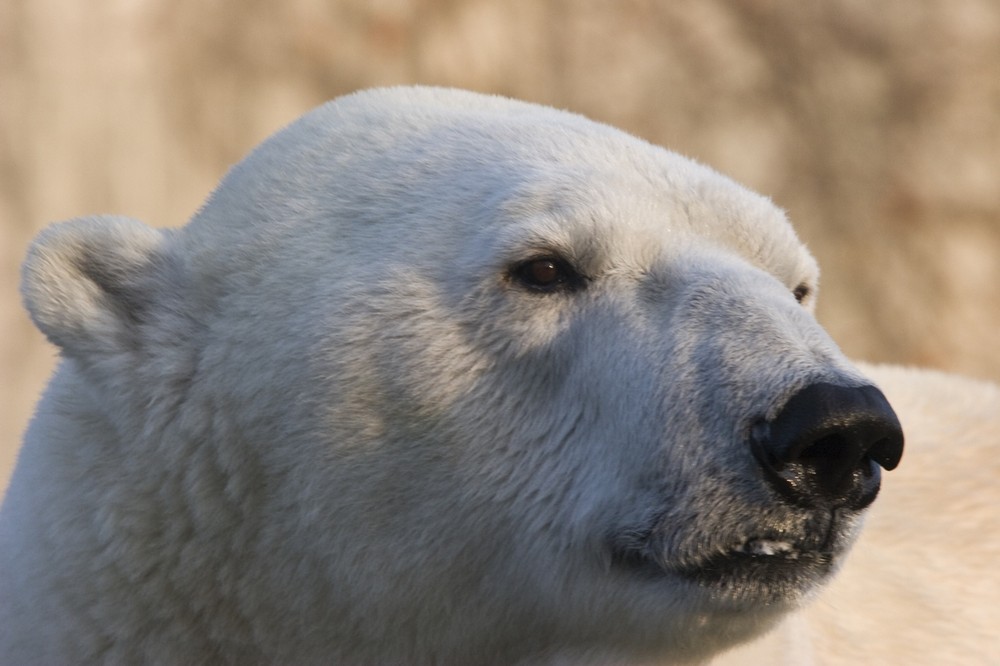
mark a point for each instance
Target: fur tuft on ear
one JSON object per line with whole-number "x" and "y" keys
{"x": 86, "y": 282}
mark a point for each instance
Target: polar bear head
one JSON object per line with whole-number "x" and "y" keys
{"x": 436, "y": 377}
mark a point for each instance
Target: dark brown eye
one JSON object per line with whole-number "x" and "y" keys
{"x": 542, "y": 272}
{"x": 801, "y": 292}
{"x": 546, "y": 274}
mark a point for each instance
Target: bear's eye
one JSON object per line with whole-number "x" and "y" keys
{"x": 546, "y": 274}
{"x": 800, "y": 292}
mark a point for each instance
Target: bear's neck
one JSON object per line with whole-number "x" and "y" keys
{"x": 155, "y": 527}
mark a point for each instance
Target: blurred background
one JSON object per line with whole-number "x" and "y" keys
{"x": 875, "y": 125}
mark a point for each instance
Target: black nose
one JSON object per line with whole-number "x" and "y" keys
{"x": 825, "y": 447}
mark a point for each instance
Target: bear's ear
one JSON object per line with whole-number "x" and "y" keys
{"x": 87, "y": 283}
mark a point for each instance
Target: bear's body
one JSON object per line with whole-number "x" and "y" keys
{"x": 434, "y": 378}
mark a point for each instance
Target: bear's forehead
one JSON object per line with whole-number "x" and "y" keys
{"x": 493, "y": 168}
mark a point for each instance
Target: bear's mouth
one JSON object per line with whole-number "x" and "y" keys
{"x": 760, "y": 559}
{"x": 760, "y": 552}
{"x": 763, "y": 568}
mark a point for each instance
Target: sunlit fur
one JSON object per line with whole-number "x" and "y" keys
{"x": 326, "y": 423}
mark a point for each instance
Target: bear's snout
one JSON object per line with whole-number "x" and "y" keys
{"x": 826, "y": 444}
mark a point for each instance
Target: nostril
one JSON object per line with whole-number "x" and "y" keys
{"x": 827, "y": 443}
{"x": 888, "y": 451}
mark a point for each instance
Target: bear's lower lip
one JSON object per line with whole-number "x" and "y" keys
{"x": 761, "y": 561}
{"x": 769, "y": 566}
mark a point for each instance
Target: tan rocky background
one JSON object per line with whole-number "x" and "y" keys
{"x": 876, "y": 125}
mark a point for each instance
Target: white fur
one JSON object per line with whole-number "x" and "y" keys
{"x": 324, "y": 422}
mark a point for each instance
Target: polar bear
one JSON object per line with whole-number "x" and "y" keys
{"x": 434, "y": 378}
